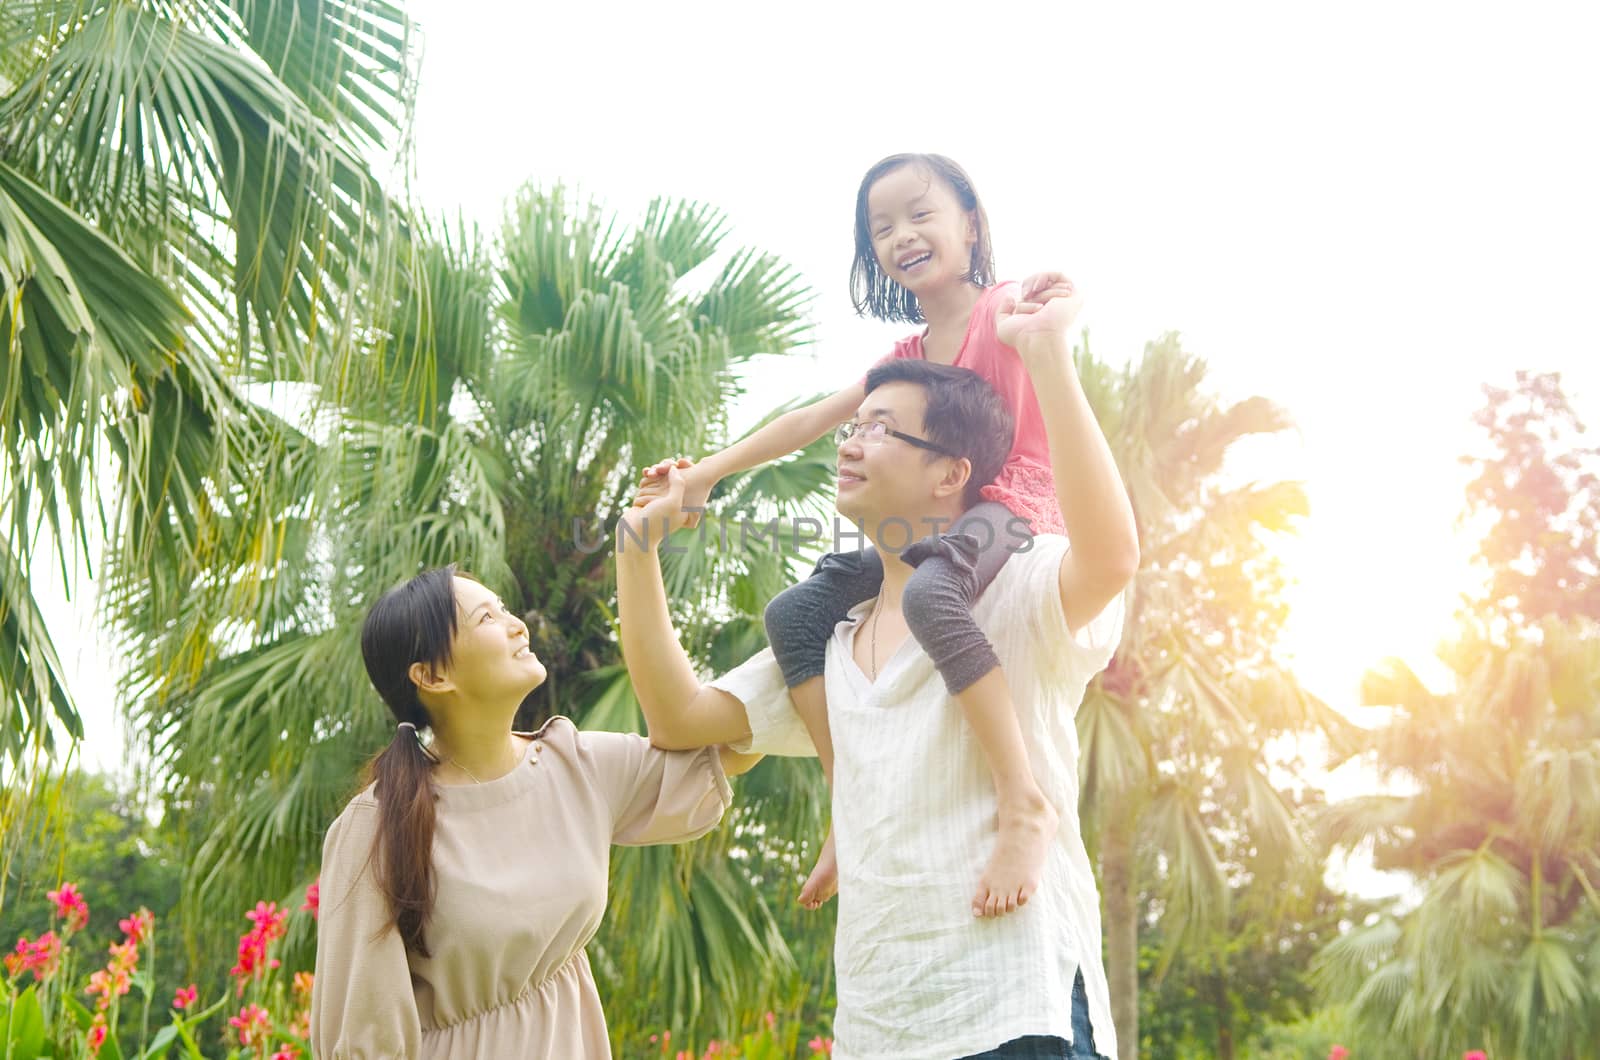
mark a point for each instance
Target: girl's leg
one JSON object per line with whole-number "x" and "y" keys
{"x": 951, "y": 570}
{"x": 799, "y": 622}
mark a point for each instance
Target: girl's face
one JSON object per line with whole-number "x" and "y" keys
{"x": 489, "y": 658}
{"x": 922, "y": 237}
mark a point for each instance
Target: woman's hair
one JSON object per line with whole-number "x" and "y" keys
{"x": 870, "y": 289}
{"x": 413, "y": 622}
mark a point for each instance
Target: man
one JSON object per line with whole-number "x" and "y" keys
{"x": 918, "y": 977}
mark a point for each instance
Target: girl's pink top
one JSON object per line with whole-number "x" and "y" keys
{"x": 1025, "y": 484}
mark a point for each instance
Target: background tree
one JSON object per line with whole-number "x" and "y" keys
{"x": 1536, "y": 498}
{"x": 183, "y": 200}
{"x": 1498, "y": 812}
{"x": 1230, "y": 995}
{"x": 1176, "y": 734}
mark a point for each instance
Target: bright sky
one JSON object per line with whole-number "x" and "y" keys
{"x": 1361, "y": 211}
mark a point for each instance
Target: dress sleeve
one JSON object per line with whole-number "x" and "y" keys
{"x": 656, "y": 796}
{"x": 775, "y": 726}
{"x": 362, "y": 1003}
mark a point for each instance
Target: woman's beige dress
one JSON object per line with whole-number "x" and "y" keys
{"x": 521, "y": 863}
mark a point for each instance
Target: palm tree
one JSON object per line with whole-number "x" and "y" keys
{"x": 554, "y": 363}
{"x": 1173, "y": 735}
{"x": 1501, "y": 830}
{"x": 183, "y": 202}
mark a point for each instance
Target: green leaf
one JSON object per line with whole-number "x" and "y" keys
{"x": 162, "y": 1042}
{"x": 25, "y": 1027}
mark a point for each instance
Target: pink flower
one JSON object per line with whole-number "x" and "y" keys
{"x": 42, "y": 957}
{"x": 97, "y": 1036}
{"x": 313, "y": 898}
{"x": 70, "y": 906}
{"x": 820, "y": 1046}
{"x": 186, "y": 996}
{"x": 137, "y": 927}
{"x": 770, "y": 1019}
{"x": 1474, "y": 1054}
{"x": 287, "y": 1052}
{"x": 269, "y": 919}
{"x": 253, "y": 960}
{"x": 302, "y": 985}
{"x": 254, "y": 1025}
{"x": 1338, "y": 1052}
{"x": 124, "y": 956}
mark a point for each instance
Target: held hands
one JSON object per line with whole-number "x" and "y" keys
{"x": 658, "y": 505}
{"x": 1042, "y": 311}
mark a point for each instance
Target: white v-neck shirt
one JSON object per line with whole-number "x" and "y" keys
{"x": 914, "y": 811}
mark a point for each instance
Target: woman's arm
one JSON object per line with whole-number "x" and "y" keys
{"x": 679, "y": 711}
{"x": 362, "y": 1002}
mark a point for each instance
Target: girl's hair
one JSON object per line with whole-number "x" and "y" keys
{"x": 413, "y": 622}
{"x": 873, "y": 292}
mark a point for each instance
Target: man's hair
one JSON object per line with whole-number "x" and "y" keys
{"x": 964, "y": 415}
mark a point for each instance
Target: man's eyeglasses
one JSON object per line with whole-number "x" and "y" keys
{"x": 871, "y": 432}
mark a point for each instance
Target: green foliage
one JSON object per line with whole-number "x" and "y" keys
{"x": 1502, "y": 834}
{"x": 183, "y": 199}
{"x": 100, "y": 838}
{"x": 1225, "y": 997}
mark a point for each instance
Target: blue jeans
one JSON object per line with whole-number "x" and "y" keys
{"x": 1048, "y": 1047}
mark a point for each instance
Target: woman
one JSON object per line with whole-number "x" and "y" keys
{"x": 458, "y": 889}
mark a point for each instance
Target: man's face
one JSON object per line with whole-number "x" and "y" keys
{"x": 891, "y": 478}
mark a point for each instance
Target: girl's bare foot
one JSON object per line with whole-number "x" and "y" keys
{"x": 823, "y": 883}
{"x": 1027, "y": 828}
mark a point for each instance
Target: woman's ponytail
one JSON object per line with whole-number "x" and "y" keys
{"x": 413, "y": 623}
{"x": 403, "y": 784}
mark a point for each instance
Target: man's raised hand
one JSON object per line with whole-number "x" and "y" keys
{"x": 1044, "y": 307}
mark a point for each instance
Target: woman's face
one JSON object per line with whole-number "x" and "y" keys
{"x": 489, "y": 657}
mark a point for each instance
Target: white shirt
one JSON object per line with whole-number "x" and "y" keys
{"x": 919, "y": 977}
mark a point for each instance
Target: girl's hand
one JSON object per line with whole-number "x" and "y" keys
{"x": 1043, "y": 309}
{"x": 1041, "y": 287}
{"x": 660, "y": 497}
{"x": 696, "y": 486}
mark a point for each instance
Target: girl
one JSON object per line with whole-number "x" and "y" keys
{"x": 922, "y": 254}
{"x": 460, "y": 887}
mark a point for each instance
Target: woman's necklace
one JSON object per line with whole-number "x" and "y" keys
{"x": 468, "y": 772}
{"x": 465, "y": 770}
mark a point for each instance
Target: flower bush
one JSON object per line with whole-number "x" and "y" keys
{"x": 44, "y": 1012}
{"x": 767, "y": 1043}
{"x": 1339, "y": 1052}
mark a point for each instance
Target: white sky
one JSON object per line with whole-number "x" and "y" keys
{"x": 1362, "y": 211}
